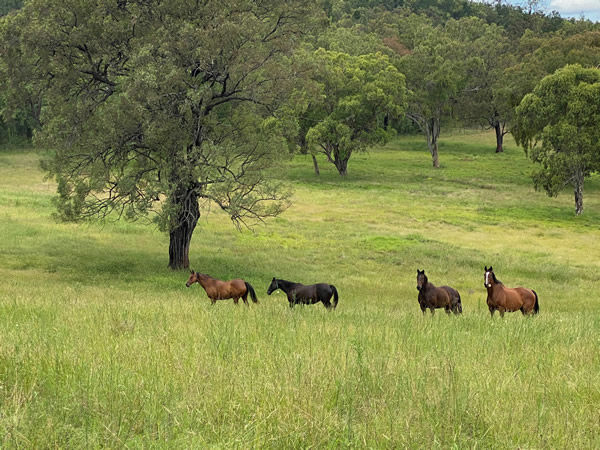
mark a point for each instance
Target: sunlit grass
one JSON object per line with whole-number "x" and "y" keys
{"x": 102, "y": 345}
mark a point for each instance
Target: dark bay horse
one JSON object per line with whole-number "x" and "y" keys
{"x": 504, "y": 299}
{"x": 306, "y": 294}
{"x": 433, "y": 297}
{"x": 222, "y": 290}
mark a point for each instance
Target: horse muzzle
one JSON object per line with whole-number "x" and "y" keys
{"x": 419, "y": 288}
{"x": 187, "y": 285}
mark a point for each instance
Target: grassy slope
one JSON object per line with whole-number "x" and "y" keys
{"x": 101, "y": 345}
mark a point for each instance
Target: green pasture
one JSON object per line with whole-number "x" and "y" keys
{"x": 102, "y": 346}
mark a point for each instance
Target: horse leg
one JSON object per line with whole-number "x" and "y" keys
{"x": 447, "y": 309}
{"x": 327, "y": 304}
{"x": 501, "y": 310}
{"x": 492, "y": 311}
{"x": 245, "y": 298}
{"x": 213, "y": 301}
{"x": 432, "y": 309}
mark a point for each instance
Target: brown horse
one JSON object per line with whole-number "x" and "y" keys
{"x": 504, "y": 299}
{"x": 433, "y": 297}
{"x": 222, "y": 290}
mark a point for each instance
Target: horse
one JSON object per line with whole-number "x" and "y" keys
{"x": 433, "y": 297}
{"x": 504, "y": 299}
{"x": 306, "y": 294}
{"x": 223, "y": 290}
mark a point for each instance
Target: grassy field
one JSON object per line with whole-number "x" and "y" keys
{"x": 101, "y": 345}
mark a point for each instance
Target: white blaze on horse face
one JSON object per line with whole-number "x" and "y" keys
{"x": 487, "y": 279}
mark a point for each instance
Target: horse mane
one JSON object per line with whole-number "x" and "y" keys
{"x": 496, "y": 280}
{"x": 287, "y": 282}
{"x": 205, "y": 275}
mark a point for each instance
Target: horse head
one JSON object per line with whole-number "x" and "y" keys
{"x": 489, "y": 277}
{"x": 421, "y": 279}
{"x": 273, "y": 286}
{"x": 194, "y": 278}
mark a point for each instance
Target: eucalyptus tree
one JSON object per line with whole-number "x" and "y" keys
{"x": 557, "y": 124}
{"x": 434, "y": 77}
{"x": 357, "y": 93}
{"x": 537, "y": 56}
{"x": 157, "y": 106}
{"x": 486, "y": 53}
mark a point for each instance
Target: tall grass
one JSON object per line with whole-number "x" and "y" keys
{"x": 102, "y": 345}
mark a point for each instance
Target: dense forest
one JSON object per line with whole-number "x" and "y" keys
{"x": 159, "y": 106}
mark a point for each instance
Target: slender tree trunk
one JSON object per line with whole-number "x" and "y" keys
{"x": 433, "y": 133}
{"x": 180, "y": 236}
{"x": 579, "y": 193}
{"x": 499, "y": 137}
{"x": 315, "y": 164}
{"x": 341, "y": 163}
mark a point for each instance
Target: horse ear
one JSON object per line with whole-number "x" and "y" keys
{"x": 485, "y": 268}
{"x": 491, "y": 268}
{"x": 191, "y": 271}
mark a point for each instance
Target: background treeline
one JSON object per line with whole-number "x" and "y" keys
{"x": 514, "y": 48}
{"x": 156, "y": 108}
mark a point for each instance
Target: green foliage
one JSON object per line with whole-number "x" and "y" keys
{"x": 7, "y": 6}
{"x": 558, "y": 127}
{"x": 435, "y": 70}
{"x": 165, "y": 102}
{"x": 356, "y": 93}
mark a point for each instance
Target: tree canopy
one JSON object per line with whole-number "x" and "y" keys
{"x": 157, "y": 105}
{"x": 357, "y": 92}
{"x": 558, "y": 125}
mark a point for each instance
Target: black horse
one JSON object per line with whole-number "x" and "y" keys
{"x": 307, "y": 295}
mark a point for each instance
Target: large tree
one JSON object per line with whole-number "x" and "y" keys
{"x": 159, "y": 105}
{"x": 435, "y": 75}
{"x": 537, "y": 56}
{"x": 557, "y": 124}
{"x": 483, "y": 100}
{"x": 358, "y": 93}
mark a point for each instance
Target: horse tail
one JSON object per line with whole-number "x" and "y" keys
{"x": 459, "y": 303}
{"x": 250, "y": 289}
{"x": 536, "y": 306}
{"x": 335, "y": 295}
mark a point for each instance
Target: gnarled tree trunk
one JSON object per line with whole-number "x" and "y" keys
{"x": 499, "y": 137}
{"x": 184, "y": 223}
{"x": 341, "y": 163}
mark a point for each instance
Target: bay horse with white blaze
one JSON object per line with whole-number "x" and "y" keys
{"x": 504, "y": 299}
{"x": 223, "y": 290}
{"x": 433, "y": 297}
{"x": 306, "y": 294}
